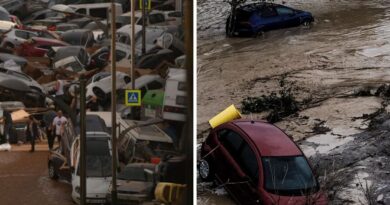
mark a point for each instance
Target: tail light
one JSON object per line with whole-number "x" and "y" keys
{"x": 174, "y": 109}
{"x": 155, "y": 160}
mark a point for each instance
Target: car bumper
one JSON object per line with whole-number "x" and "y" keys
{"x": 129, "y": 198}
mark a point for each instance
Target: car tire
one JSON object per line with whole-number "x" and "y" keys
{"x": 127, "y": 79}
{"x": 9, "y": 45}
{"x": 206, "y": 171}
{"x": 52, "y": 172}
{"x": 306, "y": 23}
{"x": 99, "y": 93}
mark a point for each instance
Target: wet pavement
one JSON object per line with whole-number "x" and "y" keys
{"x": 345, "y": 50}
{"x": 24, "y": 180}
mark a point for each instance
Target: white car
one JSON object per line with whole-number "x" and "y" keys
{"x": 98, "y": 167}
{"x": 15, "y": 37}
{"x": 155, "y": 18}
{"x": 100, "y": 84}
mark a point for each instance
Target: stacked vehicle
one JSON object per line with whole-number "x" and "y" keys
{"x": 40, "y": 46}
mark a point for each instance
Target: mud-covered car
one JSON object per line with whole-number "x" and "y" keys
{"x": 38, "y": 47}
{"x": 258, "y": 164}
{"x": 60, "y": 157}
{"x": 99, "y": 84}
{"x": 78, "y": 37}
{"x": 13, "y": 89}
{"x": 260, "y": 17}
{"x": 136, "y": 183}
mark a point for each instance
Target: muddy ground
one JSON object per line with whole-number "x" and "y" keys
{"x": 336, "y": 67}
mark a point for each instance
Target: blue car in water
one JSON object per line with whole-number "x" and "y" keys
{"x": 256, "y": 18}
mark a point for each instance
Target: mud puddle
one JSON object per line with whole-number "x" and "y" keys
{"x": 346, "y": 49}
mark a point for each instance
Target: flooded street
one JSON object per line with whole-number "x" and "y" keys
{"x": 345, "y": 51}
{"x": 24, "y": 180}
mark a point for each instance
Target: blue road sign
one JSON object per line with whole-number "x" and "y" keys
{"x": 133, "y": 97}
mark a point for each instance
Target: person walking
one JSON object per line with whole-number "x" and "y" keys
{"x": 32, "y": 132}
{"x": 60, "y": 88}
{"x": 58, "y": 125}
{"x": 48, "y": 118}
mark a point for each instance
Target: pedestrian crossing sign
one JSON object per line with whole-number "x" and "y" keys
{"x": 133, "y": 97}
{"x": 148, "y": 4}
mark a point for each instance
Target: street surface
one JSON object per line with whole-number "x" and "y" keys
{"x": 24, "y": 179}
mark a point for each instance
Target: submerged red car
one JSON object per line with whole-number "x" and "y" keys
{"x": 258, "y": 164}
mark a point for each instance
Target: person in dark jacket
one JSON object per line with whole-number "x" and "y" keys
{"x": 32, "y": 131}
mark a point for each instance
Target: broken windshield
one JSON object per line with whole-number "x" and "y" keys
{"x": 288, "y": 176}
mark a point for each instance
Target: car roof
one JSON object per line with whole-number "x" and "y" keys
{"x": 269, "y": 139}
{"x": 251, "y": 7}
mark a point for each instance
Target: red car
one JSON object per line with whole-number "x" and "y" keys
{"x": 38, "y": 47}
{"x": 258, "y": 164}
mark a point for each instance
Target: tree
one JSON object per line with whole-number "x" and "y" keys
{"x": 230, "y": 23}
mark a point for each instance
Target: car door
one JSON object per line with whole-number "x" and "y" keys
{"x": 228, "y": 170}
{"x": 288, "y": 16}
{"x": 249, "y": 164}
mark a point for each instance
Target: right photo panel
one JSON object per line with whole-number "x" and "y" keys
{"x": 293, "y": 102}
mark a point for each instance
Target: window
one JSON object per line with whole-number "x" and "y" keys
{"x": 284, "y": 11}
{"x": 156, "y": 18}
{"x": 81, "y": 11}
{"x": 98, "y": 12}
{"x": 231, "y": 140}
{"x": 248, "y": 162}
{"x": 241, "y": 152}
{"x": 176, "y": 14}
{"x": 268, "y": 12}
{"x": 182, "y": 86}
{"x": 98, "y": 158}
{"x": 288, "y": 175}
{"x": 21, "y": 34}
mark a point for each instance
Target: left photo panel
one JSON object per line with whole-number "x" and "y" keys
{"x": 96, "y": 102}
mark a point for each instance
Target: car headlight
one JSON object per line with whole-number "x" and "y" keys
{"x": 77, "y": 189}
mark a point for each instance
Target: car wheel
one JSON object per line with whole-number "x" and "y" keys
{"x": 99, "y": 93}
{"x": 306, "y": 23}
{"x": 9, "y": 46}
{"x": 127, "y": 79}
{"x": 52, "y": 172}
{"x": 206, "y": 172}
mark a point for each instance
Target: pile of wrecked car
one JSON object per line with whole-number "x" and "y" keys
{"x": 41, "y": 44}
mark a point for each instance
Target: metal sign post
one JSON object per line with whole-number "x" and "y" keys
{"x": 113, "y": 103}
{"x": 83, "y": 145}
{"x": 143, "y": 27}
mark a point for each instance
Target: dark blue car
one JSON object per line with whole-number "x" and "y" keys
{"x": 252, "y": 19}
